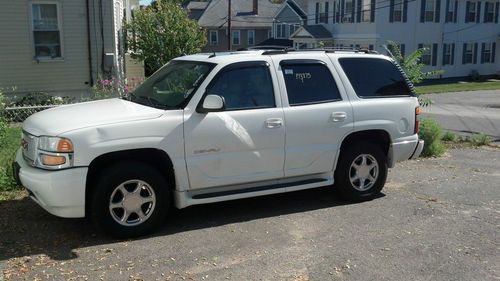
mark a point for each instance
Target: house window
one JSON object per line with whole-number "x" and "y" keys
{"x": 293, "y": 28}
{"x": 398, "y": 11}
{"x": 251, "y": 37}
{"x": 427, "y": 55}
{"x": 281, "y": 30}
{"x": 468, "y": 56}
{"x": 430, "y": 10}
{"x": 348, "y": 11}
{"x": 236, "y": 37}
{"x": 450, "y": 10}
{"x": 366, "y": 13}
{"x": 321, "y": 12}
{"x": 448, "y": 54}
{"x": 489, "y": 12}
{"x": 470, "y": 13}
{"x": 46, "y": 28}
{"x": 487, "y": 51}
{"x": 214, "y": 37}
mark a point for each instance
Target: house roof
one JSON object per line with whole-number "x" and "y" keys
{"x": 215, "y": 14}
{"x": 195, "y": 5}
{"x": 317, "y": 31}
{"x": 276, "y": 42}
{"x": 299, "y": 6}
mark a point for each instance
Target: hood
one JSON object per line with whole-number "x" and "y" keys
{"x": 55, "y": 121}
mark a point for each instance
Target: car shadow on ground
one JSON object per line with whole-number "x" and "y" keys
{"x": 26, "y": 229}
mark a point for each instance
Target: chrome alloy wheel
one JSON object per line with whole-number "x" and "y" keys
{"x": 132, "y": 202}
{"x": 363, "y": 172}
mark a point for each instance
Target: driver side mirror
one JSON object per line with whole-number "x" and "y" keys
{"x": 212, "y": 103}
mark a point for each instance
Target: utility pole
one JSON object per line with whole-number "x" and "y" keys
{"x": 229, "y": 37}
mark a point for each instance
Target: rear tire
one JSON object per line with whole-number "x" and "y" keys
{"x": 130, "y": 199}
{"x": 361, "y": 172}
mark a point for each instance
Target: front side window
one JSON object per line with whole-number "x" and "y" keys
{"x": 251, "y": 37}
{"x": 248, "y": 87}
{"x": 430, "y": 8}
{"x": 309, "y": 82}
{"x": 214, "y": 37}
{"x": 172, "y": 86}
{"x": 371, "y": 77}
{"x": 46, "y": 30}
{"x": 236, "y": 37}
{"x": 348, "y": 11}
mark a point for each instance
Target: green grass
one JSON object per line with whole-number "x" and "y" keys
{"x": 458, "y": 87}
{"x": 8, "y": 188}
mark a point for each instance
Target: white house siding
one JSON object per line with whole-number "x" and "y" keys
{"x": 413, "y": 32}
{"x": 19, "y": 69}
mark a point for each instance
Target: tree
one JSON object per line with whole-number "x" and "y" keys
{"x": 162, "y": 32}
{"x": 411, "y": 64}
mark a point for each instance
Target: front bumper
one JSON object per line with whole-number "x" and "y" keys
{"x": 418, "y": 149}
{"x": 61, "y": 193}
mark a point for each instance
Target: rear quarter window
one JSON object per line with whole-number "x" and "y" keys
{"x": 372, "y": 77}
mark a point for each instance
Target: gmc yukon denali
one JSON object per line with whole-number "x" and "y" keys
{"x": 213, "y": 127}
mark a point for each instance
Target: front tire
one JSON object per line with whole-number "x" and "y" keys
{"x": 361, "y": 172}
{"x": 130, "y": 199}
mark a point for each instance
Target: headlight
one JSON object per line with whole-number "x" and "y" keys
{"x": 55, "y": 144}
{"x": 54, "y": 153}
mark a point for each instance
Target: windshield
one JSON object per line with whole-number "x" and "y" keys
{"x": 173, "y": 85}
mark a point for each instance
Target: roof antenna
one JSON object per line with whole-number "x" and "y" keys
{"x": 212, "y": 55}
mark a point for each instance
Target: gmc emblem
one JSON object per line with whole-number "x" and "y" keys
{"x": 24, "y": 144}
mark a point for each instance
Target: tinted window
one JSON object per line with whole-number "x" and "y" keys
{"x": 245, "y": 88}
{"x": 308, "y": 83}
{"x": 375, "y": 77}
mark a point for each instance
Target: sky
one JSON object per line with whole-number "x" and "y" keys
{"x": 145, "y": 2}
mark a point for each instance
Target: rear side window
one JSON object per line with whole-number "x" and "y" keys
{"x": 371, "y": 77}
{"x": 309, "y": 82}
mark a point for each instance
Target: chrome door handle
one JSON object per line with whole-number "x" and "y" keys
{"x": 272, "y": 123}
{"x": 338, "y": 116}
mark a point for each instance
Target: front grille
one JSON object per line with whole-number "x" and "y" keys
{"x": 29, "y": 145}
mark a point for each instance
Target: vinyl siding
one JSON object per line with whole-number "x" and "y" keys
{"x": 19, "y": 69}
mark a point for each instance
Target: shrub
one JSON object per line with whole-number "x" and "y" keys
{"x": 449, "y": 136}
{"x": 480, "y": 139}
{"x": 431, "y": 133}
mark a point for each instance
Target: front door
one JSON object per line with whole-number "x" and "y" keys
{"x": 243, "y": 143}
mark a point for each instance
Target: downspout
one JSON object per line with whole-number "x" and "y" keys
{"x": 89, "y": 44}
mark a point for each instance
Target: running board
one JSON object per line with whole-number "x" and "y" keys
{"x": 188, "y": 198}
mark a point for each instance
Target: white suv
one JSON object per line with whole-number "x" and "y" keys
{"x": 223, "y": 126}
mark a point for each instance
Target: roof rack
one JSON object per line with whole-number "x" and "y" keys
{"x": 284, "y": 50}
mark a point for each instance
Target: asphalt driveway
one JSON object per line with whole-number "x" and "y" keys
{"x": 466, "y": 113}
{"x": 439, "y": 219}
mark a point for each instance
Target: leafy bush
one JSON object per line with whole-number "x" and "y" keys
{"x": 449, "y": 136}
{"x": 8, "y": 149}
{"x": 431, "y": 133}
{"x": 480, "y": 139}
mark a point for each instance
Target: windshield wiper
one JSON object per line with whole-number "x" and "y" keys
{"x": 149, "y": 101}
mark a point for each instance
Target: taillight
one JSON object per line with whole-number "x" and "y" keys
{"x": 417, "y": 123}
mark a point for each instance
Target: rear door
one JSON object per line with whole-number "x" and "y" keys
{"x": 317, "y": 113}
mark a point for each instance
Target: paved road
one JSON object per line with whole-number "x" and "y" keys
{"x": 439, "y": 219}
{"x": 467, "y": 112}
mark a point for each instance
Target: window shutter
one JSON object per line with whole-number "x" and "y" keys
{"x": 496, "y": 12}
{"x": 358, "y": 16}
{"x": 486, "y": 6}
{"x": 327, "y": 11}
{"x": 463, "y": 53}
{"x": 353, "y": 13}
{"x": 391, "y": 11}
{"x": 446, "y": 19}
{"x": 317, "y": 12}
{"x": 493, "y": 49}
{"x": 372, "y": 11}
{"x": 434, "y": 54}
{"x": 478, "y": 14}
{"x": 475, "y": 53}
{"x": 452, "y": 61}
{"x": 422, "y": 11}
{"x": 455, "y": 13}
{"x": 444, "y": 54}
{"x": 467, "y": 5}
{"x": 483, "y": 46}
{"x": 437, "y": 13}
{"x": 405, "y": 10}
{"x": 342, "y": 2}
